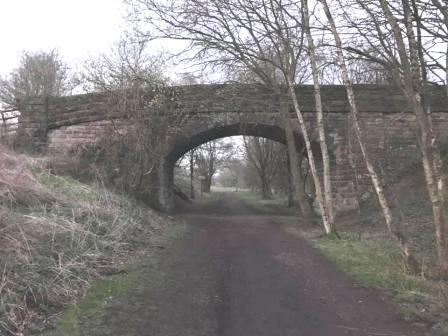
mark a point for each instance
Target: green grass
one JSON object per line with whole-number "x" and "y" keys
{"x": 252, "y": 197}
{"x": 66, "y": 185}
{"x": 102, "y": 292}
{"x": 74, "y": 190}
{"x": 274, "y": 206}
{"x": 375, "y": 262}
{"x": 224, "y": 189}
{"x": 99, "y": 294}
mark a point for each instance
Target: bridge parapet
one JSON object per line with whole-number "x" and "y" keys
{"x": 54, "y": 112}
{"x": 72, "y": 110}
{"x": 212, "y": 111}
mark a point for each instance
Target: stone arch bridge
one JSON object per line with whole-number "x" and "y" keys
{"x": 215, "y": 111}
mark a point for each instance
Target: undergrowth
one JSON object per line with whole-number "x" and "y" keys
{"x": 56, "y": 236}
{"x": 374, "y": 261}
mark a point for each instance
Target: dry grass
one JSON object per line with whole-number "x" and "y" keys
{"x": 56, "y": 236}
{"x": 17, "y": 184}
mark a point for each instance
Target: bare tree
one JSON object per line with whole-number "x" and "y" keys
{"x": 38, "y": 74}
{"x": 132, "y": 81}
{"x": 127, "y": 65}
{"x": 432, "y": 18}
{"x": 263, "y": 156}
{"x": 376, "y": 178}
{"x": 328, "y": 194}
{"x": 394, "y": 38}
{"x": 233, "y": 174}
{"x": 241, "y": 34}
{"x": 192, "y": 192}
{"x": 245, "y": 75}
{"x": 209, "y": 157}
{"x": 295, "y": 160}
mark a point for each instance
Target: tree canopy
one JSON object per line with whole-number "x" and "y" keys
{"x": 41, "y": 73}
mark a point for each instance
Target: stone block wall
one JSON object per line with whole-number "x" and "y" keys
{"x": 196, "y": 114}
{"x": 33, "y": 122}
{"x": 73, "y": 110}
{"x": 66, "y": 139}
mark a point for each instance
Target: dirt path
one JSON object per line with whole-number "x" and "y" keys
{"x": 238, "y": 274}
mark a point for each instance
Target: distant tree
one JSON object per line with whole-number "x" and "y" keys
{"x": 431, "y": 18}
{"x": 232, "y": 174}
{"x": 209, "y": 157}
{"x": 281, "y": 183}
{"x": 190, "y": 78}
{"x": 264, "y": 155}
{"x": 41, "y": 73}
{"x": 191, "y": 159}
{"x": 128, "y": 65}
{"x": 361, "y": 71}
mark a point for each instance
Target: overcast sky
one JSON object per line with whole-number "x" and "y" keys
{"x": 77, "y": 28}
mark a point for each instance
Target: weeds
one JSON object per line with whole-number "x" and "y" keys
{"x": 56, "y": 236}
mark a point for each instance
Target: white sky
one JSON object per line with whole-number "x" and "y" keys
{"x": 77, "y": 28}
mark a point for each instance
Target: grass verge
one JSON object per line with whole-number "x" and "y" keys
{"x": 275, "y": 205}
{"x": 85, "y": 315}
{"x": 98, "y": 295}
{"x": 374, "y": 261}
{"x": 57, "y": 236}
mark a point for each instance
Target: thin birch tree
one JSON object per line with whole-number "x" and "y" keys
{"x": 328, "y": 193}
{"x": 394, "y": 40}
{"x": 376, "y": 178}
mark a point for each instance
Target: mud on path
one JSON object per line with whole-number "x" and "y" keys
{"x": 237, "y": 273}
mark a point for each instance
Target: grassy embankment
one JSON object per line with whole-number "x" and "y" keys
{"x": 58, "y": 237}
{"x": 372, "y": 259}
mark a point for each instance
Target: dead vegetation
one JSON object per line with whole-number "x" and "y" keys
{"x": 56, "y": 236}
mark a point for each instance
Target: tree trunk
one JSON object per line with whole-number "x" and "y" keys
{"x": 192, "y": 195}
{"x": 410, "y": 262}
{"x": 207, "y": 184}
{"x": 328, "y": 193}
{"x": 413, "y": 83}
{"x": 354, "y": 166}
{"x": 435, "y": 181}
{"x": 418, "y": 95}
{"x": 290, "y": 185}
{"x": 294, "y": 164}
{"x": 328, "y": 225}
{"x": 266, "y": 192}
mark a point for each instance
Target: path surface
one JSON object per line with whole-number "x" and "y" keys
{"x": 237, "y": 273}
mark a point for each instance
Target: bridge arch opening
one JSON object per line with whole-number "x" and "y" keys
{"x": 271, "y": 132}
{"x": 184, "y": 144}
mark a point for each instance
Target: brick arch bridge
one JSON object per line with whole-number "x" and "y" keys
{"x": 214, "y": 111}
